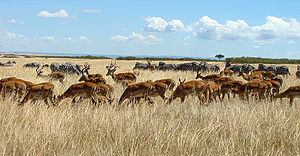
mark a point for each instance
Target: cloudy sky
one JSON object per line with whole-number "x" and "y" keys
{"x": 181, "y": 28}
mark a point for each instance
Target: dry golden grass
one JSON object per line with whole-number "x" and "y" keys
{"x": 230, "y": 128}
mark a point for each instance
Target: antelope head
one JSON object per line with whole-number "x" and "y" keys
{"x": 39, "y": 71}
{"x": 181, "y": 82}
{"x": 198, "y": 75}
{"x": 111, "y": 69}
{"x": 83, "y": 77}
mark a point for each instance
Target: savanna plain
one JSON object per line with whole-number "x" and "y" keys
{"x": 231, "y": 127}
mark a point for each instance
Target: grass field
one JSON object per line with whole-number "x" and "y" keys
{"x": 230, "y": 128}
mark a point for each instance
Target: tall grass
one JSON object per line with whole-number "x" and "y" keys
{"x": 229, "y": 128}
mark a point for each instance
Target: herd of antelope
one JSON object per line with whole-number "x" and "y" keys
{"x": 259, "y": 86}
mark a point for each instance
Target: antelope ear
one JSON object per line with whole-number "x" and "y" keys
{"x": 107, "y": 67}
{"x": 184, "y": 80}
{"x": 179, "y": 80}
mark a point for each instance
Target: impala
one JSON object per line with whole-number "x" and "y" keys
{"x": 208, "y": 77}
{"x": 41, "y": 91}
{"x": 251, "y": 77}
{"x": 151, "y": 66}
{"x": 13, "y": 86}
{"x": 84, "y": 90}
{"x": 187, "y": 88}
{"x": 227, "y": 87}
{"x": 212, "y": 90}
{"x": 91, "y": 76}
{"x": 222, "y": 80}
{"x": 160, "y": 89}
{"x": 291, "y": 93}
{"x": 98, "y": 80}
{"x": 53, "y": 76}
{"x": 120, "y": 76}
{"x": 138, "y": 91}
{"x": 227, "y": 73}
{"x": 169, "y": 82}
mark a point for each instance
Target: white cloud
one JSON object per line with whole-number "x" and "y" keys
{"x": 136, "y": 38}
{"x": 82, "y": 38}
{"x": 47, "y": 38}
{"x": 59, "y": 14}
{"x": 187, "y": 38}
{"x": 256, "y": 46}
{"x": 274, "y": 29}
{"x": 185, "y": 44}
{"x": 68, "y": 39}
{"x": 157, "y": 24}
{"x": 13, "y": 21}
{"x": 14, "y": 36}
{"x": 91, "y": 11}
{"x": 290, "y": 42}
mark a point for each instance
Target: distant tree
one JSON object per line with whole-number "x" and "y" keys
{"x": 219, "y": 56}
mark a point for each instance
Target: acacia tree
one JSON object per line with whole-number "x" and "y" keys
{"x": 219, "y": 56}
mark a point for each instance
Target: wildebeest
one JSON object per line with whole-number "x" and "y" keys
{"x": 245, "y": 68}
{"x": 278, "y": 70}
{"x": 32, "y": 65}
{"x": 8, "y": 63}
{"x": 68, "y": 68}
{"x": 144, "y": 66}
{"x": 298, "y": 72}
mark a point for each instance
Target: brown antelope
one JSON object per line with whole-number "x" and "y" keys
{"x": 212, "y": 90}
{"x": 226, "y": 73}
{"x": 41, "y": 91}
{"x": 97, "y": 80}
{"x": 151, "y": 66}
{"x": 84, "y": 90}
{"x": 187, "y": 88}
{"x": 251, "y": 77}
{"x": 227, "y": 87}
{"x": 16, "y": 87}
{"x": 254, "y": 87}
{"x": 221, "y": 80}
{"x": 91, "y": 76}
{"x": 53, "y": 76}
{"x": 278, "y": 79}
{"x": 160, "y": 89}
{"x": 138, "y": 91}
{"x": 291, "y": 93}
{"x": 169, "y": 82}
{"x": 208, "y": 77}
{"x": 27, "y": 83}
{"x": 120, "y": 76}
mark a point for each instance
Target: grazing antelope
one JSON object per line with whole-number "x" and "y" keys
{"x": 83, "y": 89}
{"x": 291, "y": 93}
{"x": 169, "y": 82}
{"x": 208, "y": 77}
{"x": 251, "y": 77}
{"x": 53, "y": 76}
{"x": 138, "y": 91}
{"x": 187, "y": 88}
{"x": 120, "y": 76}
{"x": 91, "y": 76}
{"x": 97, "y": 80}
{"x": 41, "y": 91}
{"x": 278, "y": 79}
{"x": 160, "y": 89}
{"x": 253, "y": 87}
{"x": 227, "y": 73}
{"x": 227, "y": 87}
{"x": 13, "y": 86}
{"x": 212, "y": 90}
{"x": 151, "y": 66}
{"x": 221, "y": 80}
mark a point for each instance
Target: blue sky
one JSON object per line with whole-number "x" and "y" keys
{"x": 269, "y": 28}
